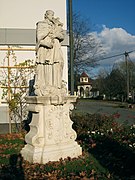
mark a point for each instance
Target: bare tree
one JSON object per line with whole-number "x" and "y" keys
{"x": 87, "y": 47}
{"x": 130, "y": 79}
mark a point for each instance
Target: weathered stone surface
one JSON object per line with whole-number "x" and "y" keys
{"x": 51, "y": 136}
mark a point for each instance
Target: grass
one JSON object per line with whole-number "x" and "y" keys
{"x": 9, "y": 145}
{"x": 86, "y": 166}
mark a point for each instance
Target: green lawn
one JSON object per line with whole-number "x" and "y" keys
{"x": 12, "y": 164}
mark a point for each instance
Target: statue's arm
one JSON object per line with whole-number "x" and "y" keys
{"x": 59, "y": 34}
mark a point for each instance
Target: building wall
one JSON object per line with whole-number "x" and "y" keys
{"x": 84, "y": 87}
{"x": 4, "y": 119}
{"x": 83, "y": 79}
{"x": 25, "y": 14}
{"x": 4, "y": 114}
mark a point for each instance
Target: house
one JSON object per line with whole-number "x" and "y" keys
{"x": 85, "y": 87}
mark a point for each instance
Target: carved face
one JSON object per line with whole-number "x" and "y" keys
{"x": 49, "y": 14}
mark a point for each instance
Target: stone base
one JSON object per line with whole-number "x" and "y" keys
{"x": 51, "y": 136}
{"x": 50, "y": 153}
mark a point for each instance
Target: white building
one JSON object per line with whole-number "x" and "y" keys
{"x": 18, "y": 30}
{"x": 18, "y": 23}
{"x": 84, "y": 86}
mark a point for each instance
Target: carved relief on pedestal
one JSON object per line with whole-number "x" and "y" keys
{"x": 53, "y": 124}
{"x": 59, "y": 128}
{"x": 51, "y": 136}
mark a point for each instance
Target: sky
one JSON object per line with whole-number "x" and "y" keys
{"x": 113, "y": 23}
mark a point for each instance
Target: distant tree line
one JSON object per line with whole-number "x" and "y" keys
{"x": 114, "y": 84}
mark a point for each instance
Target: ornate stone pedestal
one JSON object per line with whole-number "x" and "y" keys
{"x": 51, "y": 136}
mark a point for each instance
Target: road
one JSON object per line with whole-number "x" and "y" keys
{"x": 88, "y": 106}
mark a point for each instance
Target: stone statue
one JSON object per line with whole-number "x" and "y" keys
{"x": 49, "y": 69}
{"x": 51, "y": 136}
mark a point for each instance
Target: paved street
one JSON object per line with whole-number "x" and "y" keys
{"x": 88, "y": 106}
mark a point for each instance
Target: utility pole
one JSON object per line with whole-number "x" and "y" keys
{"x": 71, "y": 48}
{"x": 127, "y": 74}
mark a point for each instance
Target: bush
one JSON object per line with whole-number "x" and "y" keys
{"x": 111, "y": 143}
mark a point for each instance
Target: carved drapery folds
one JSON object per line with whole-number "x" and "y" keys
{"x": 50, "y": 61}
{"x": 51, "y": 136}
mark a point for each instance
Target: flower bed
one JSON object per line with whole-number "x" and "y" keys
{"x": 111, "y": 143}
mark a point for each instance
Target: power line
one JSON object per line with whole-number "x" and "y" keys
{"x": 116, "y": 55}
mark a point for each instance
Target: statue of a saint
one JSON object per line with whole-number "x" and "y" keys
{"x": 49, "y": 69}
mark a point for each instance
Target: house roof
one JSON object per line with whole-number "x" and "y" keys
{"x": 84, "y": 75}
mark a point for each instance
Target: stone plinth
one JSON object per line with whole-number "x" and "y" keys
{"x": 51, "y": 136}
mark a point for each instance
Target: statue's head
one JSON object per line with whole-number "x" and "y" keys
{"x": 49, "y": 14}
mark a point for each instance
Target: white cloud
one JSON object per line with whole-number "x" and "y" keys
{"x": 115, "y": 41}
